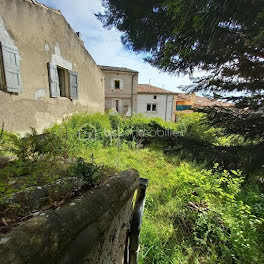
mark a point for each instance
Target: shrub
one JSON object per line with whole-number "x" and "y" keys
{"x": 85, "y": 170}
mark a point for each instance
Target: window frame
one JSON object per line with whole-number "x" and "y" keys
{"x": 115, "y": 87}
{"x": 66, "y": 81}
{"x": 155, "y": 107}
{"x": 71, "y": 89}
{"x": 150, "y": 106}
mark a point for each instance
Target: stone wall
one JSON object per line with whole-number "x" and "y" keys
{"x": 91, "y": 229}
{"x": 125, "y": 96}
{"x": 41, "y": 36}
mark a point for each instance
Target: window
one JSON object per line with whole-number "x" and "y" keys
{"x": 117, "y": 84}
{"x": 151, "y": 107}
{"x": 10, "y": 77}
{"x": 148, "y": 107}
{"x": 155, "y": 97}
{"x": 63, "y": 83}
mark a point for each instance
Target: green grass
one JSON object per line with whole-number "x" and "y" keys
{"x": 193, "y": 214}
{"x": 226, "y": 229}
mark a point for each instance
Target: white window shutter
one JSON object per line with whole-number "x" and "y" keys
{"x": 120, "y": 106}
{"x": 54, "y": 81}
{"x": 113, "y": 103}
{"x": 11, "y": 68}
{"x": 113, "y": 85}
{"x": 121, "y": 84}
{"x": 73, "y": 85}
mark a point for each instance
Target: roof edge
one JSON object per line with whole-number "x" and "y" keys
{"x": 34, "y": 2}
{"x": 116, "y": 69}
{"x": 157, "y": 90}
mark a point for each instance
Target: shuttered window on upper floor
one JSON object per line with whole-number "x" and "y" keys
{"x": 117, "y": 85}
{"x": 10, "y": 74}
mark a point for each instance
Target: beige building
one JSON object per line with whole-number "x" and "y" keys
{"x": 45, "y": 71}
{"x": 121, "y": 88}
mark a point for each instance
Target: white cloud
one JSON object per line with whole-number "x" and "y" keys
{"x": 105, "y": 45}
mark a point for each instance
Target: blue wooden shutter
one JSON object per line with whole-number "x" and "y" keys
{"x": 73, "y": 85}
{"x": 54, "y": 81}
{"x": 11, "y": 68}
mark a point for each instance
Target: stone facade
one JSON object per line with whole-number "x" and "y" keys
{"x": 121, "y": 87}
{"x": 54, "y": 76}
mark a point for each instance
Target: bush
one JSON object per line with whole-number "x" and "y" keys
{"x": 87, "y": 171}
{"x": 207, "y": 216}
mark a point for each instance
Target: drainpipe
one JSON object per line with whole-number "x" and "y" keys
{"x": 136, "y": 221}
{"x": 172, "y": 107}
{"x": 166, "y": 107}
{"x": 132, "y": 91}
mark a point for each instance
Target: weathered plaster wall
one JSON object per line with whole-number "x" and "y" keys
{"x": 42, "y": 36}
{"x": 124, "y": 95}
{"x": 91, "y": 229}
{"x": 164, "y": 105}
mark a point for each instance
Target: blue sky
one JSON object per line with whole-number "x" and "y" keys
{"x": 105, "y": 45}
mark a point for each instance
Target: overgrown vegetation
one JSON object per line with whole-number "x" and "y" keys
{"x": 200, "y": 207}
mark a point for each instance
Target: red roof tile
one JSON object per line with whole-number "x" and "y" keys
{"x": 150, "y": 89}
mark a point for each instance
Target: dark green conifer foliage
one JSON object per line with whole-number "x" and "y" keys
{"x": 225, "y": 38}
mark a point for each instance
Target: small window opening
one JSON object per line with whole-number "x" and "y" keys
{"x": 155, "y": 96}
{"x": 148, "y": 107}
{"x": 151, "y": 107}
{"x": 63, "y": 84}
{"x": 117, "y": 84}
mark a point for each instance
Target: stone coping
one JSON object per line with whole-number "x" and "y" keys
{"x": 51, "y": 236}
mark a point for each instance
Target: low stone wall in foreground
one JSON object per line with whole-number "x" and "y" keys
{"x": 91, "y": 229}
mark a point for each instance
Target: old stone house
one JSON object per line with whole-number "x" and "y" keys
{"x": 45, "y": 71}
{"x": 155, "y": 102}
{"x": 121, "y": 88}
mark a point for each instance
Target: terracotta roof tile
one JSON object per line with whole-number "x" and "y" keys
{"x": 183, "y": 97}
{"x": 150, "y": 89}
{"x": 200, "y": 101}
{"x": 203, "y": 101}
